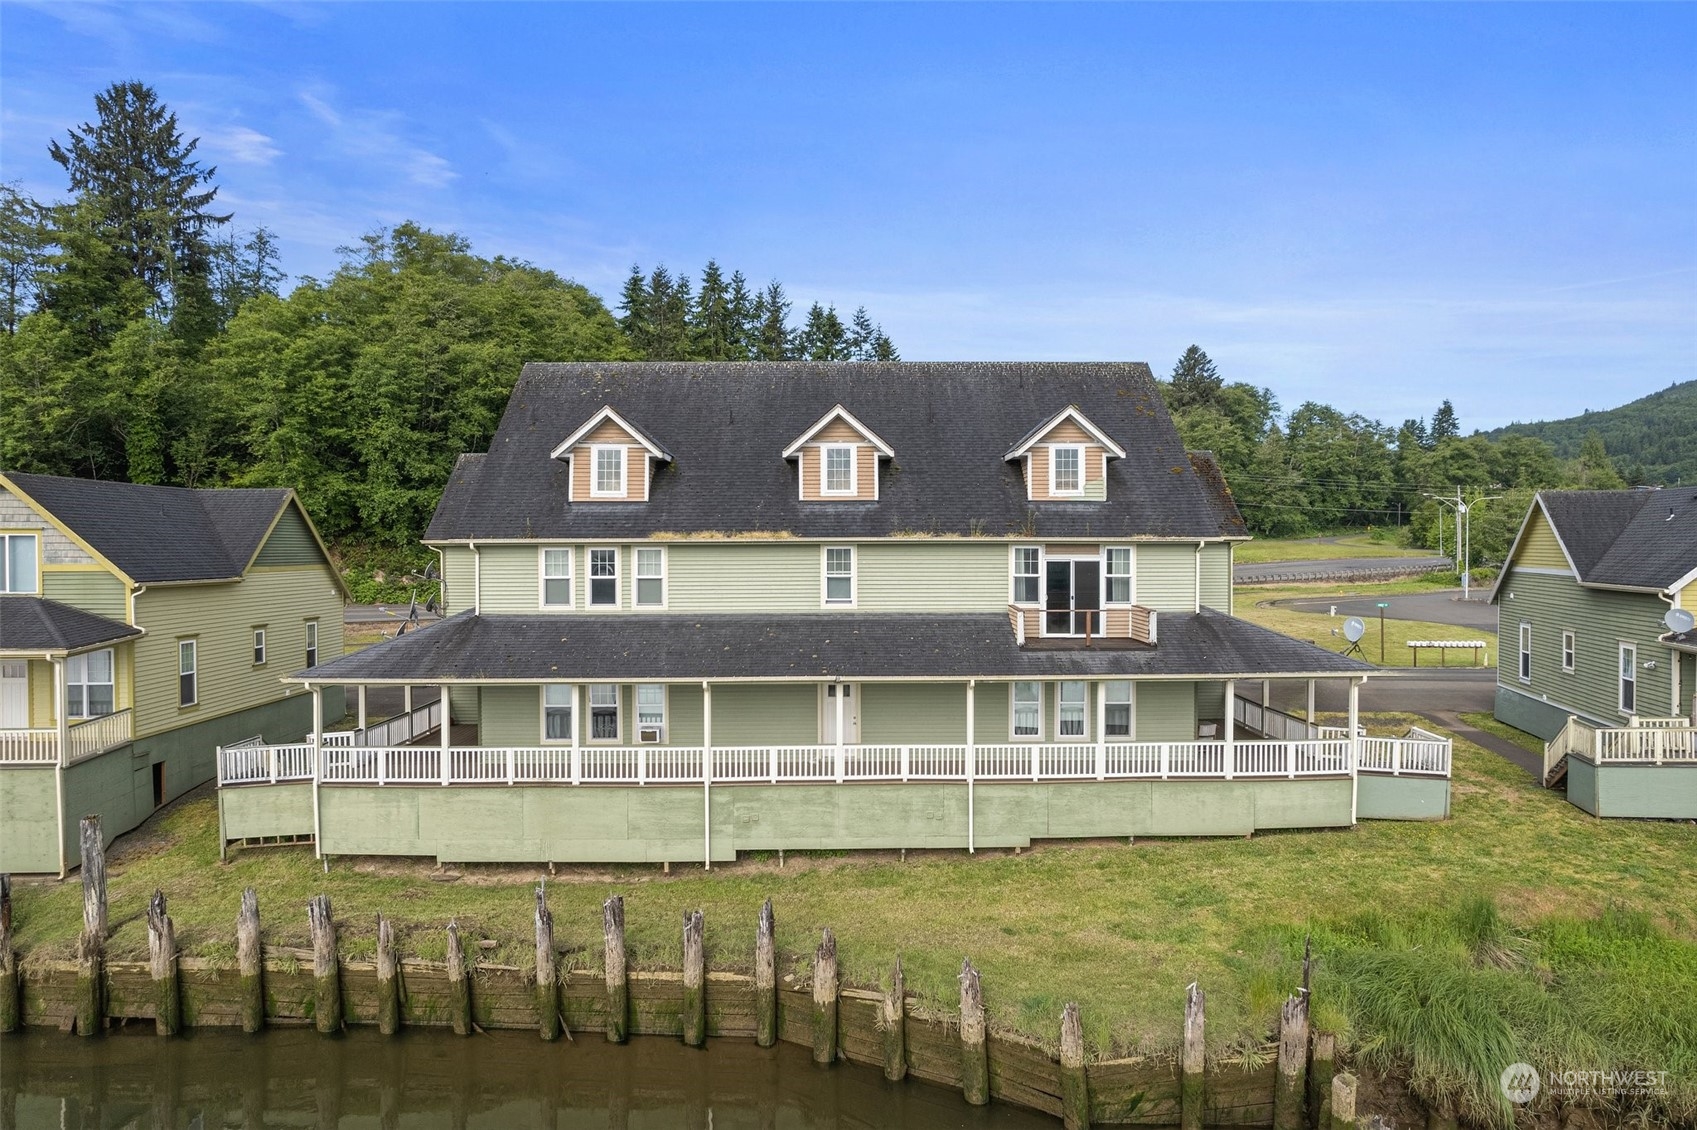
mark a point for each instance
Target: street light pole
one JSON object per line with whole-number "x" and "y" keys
{"x": 1466, "y": 510}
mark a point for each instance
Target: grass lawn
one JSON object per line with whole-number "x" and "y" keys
{"x": 1254, "y": 603}
{"x": 1553, "y": 933}
{"x": 1263, "y": 550}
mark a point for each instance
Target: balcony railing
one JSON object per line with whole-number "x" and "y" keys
{"x": 84, "y": 738}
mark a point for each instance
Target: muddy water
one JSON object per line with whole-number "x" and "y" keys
{"x": 424, "y": 1080}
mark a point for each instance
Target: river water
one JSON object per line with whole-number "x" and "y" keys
{"x": 294, "y": 1077}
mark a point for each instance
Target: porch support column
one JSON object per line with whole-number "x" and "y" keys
{"x": 317, "y": 767}
{"x": 707, "y": 774}
{"x": 971, "y": 758}
{"x": 1266, "y": 694}
{"x": 361, "y": 725}
{"x": 1354, "y": 746}
{"x": 64, "y": 726}
{"x": 577, "y": 724}
{"x": 1231, "y": 726}
{"x": 447, "y": 729}
{"x": 1101, "y": 731}
{"x": 842, "y": 692}
{"x": 406, "y": 698}
{"x": 1310, "y": 705}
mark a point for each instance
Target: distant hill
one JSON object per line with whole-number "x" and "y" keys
{"x": 1655, "y": 437}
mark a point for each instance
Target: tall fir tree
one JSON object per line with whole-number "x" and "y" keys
{"x": 715, "y": 328}
{"x": 633, "y": 311}
{"x": 24, "y": 240}
{"x": 823, "y": 336}
{"x": 740, "y": 307}
{"x": 1445, "y": 425}
{"x": 1195, "y": 381}
{"x": 772, "y": 331}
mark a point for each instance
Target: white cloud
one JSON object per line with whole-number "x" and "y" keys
{"x": 377, "y": 139}
{"x": 241, "y": 144}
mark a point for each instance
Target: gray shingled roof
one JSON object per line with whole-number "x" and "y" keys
{"x": 158, "y": 534}
{"x": 31, "y": 623}
{"x": 1637, "y": 538}
{"x": 726, "y": 426}
{"x": 868, "y": 645}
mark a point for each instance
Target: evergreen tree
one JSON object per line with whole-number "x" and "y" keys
{"x": 669, "y": 302}
{"x": 23, "y": 253}
{"x": 861, "y": 335}
{"x": 1412, "y": 435}
{"x": 244, "y": 270}
{"x": 633, "y": 307}
{"x": 715, "y": 326}
{"x": 823, "y": 337}
{"x": 1596, "y": 469}
{"x": 1444, "y": 424}
{"x": 883, "y": 349}
{"x": 1195, "y": 381}
{"x": 740, "y": 309}
{"x": 772, "y": 333}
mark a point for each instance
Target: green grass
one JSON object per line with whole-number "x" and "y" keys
{"x": 1264, "y": 550}
{"x": 1593, "y": 948}
{"x": 1490, "y": 725}
{"x": 1255, "y": 604}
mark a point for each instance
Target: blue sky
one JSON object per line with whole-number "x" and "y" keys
{"x": 1375, "y": 206}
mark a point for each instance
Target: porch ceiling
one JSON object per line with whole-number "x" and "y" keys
{"x": 472, "y": 648}
{"x": 35, "y": 625}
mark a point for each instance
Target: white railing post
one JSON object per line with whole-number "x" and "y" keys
{"x": 577, "y": 750}
{"x": 841, "y": 688}
{"x": 772, "y": 753}
{"x": 271, "y": 756}
{"x": 1230, "y": 756}
{"x": 381, "y": 753}
{"x": 317, "y": 751}
{"x": 907, "y": 761}
{"x": 1166, "y": 759}
{"x": 512, "y": 758}
{"x": 707, "y": 775}
{"x": 1396, "y": 758}
{"x": 641, "y": 765}
{"x": 1036, "y": 759}
{"x": 1354, "y": 737}
{"x": 971, "y": 762}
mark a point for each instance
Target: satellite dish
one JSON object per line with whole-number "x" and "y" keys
{"x": 1353, "y": 629}
{"x": 1679, "y": 621}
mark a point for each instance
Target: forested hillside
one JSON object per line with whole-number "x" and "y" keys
{"x": 1652, "y": 440}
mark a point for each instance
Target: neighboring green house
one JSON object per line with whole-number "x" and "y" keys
{"x": 1588, "y": 659}
{"x": 141, "y": 627}
{"x": 699, "y": 609}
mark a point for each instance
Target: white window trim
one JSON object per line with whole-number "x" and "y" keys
{"x": 262, "y": 653}
{"x": 1085, "y": 736}
{"x": 6, "y": 558}
{"x": 1569, "y": 650}
{"x": 1013, "y": 582}
{"x": 853, "y": 450}
{"x": 824, "y": 577}
{"x": 1054, "y": 450}
{"x": 637, "y": 723}
{"x": 1131, "y": 578}
{"x": 542, "y": 718}
{"x": 589, "y": 578}
{"x": 1131, "y": 710}
{"x": 194, "y": 652}
{"x": 636, "y": 577}
{"x": 1523, "y": 656}
{"x": 85, "y": 682}
{"x": 595, "y": 450}
{"x": 618, "y": 716}
{"x": 542, "y": 577}
{"x": 1621, "y": 680}
{"x": 310, "y": 651}
{"x": 1013, "y": 711}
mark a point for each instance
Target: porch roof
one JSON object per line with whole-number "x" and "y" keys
{"x": 34, "y": 624}
{"x": 473, "y": 648}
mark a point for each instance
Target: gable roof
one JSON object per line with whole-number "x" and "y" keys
{"x": 725, "y": 424}
{"x": 1030, "y": 438}
{"x": 1634, "y": 539}
{"x": 158, "y": 534}
{"x": 601, "y": 417}
{"x": 33, "y": 623}
{"x": 847, "y": 417}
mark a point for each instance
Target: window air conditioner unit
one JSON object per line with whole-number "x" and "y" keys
{"x": 648, "y": 735}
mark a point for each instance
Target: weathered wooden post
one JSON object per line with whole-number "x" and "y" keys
{"x": 250, "y": 963}
{"x": 765, "y": 979}
{"x": 459, "y": 984}
{"x": 974, "y": 1054}
{"x": 547, "y": 986}
{"x": 326, "y": 966}
{"x": 1075, "y": 1087}
{"x": 91, "y": 946}
{"x": 695, "y": 982}
{"x": 1289, "y": 1088}
{"x": 1322, "y": 1064}
{"x": 1192, "y": 1089}
{"x": 388, "y": 980}
{"x": 8, "y": 962}
{"x": 618, "y": 986}
{"x": 162, "y": 967}
{"x": 1343, "y": 1102}
{"x": 892, "y": 1019}
{"x": 825, "y": 999}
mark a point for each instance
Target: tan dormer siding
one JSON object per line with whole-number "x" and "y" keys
{"x": 812, "y": 458}
{"x": 1095, "y": 463}
{"x": 636, "y": 466}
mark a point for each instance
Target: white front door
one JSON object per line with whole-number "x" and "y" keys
{"x": 851, "y": 714}
{"x": 14, "y": 695}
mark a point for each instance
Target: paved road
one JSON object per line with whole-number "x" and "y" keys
{"x": 1339, "y": 569}
{"x": 1444, "y": 606}
{"x": 1455, "y": 690}
{"x": 382, "y": 614}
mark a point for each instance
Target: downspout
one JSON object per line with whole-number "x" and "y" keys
{"x": 1200, "y": 542}
{"x": 971, "y": 761}
{"x": 1674, "y": 689}
{"x": 476, "y": 578}
{"x": 706, "y": 775}
{"x": 60, "y": 721}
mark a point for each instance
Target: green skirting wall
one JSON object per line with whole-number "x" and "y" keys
{"x": 1529, "y": 713}
{"x": 27, "y": 823}
{"x": 1403, "y": 798}
{"x": 611, "y": 824}
{"x": 1656, "y": 792}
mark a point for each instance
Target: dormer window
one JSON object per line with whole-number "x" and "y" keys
{"x": 838, "y": 459}
{"x": 611, "y": 459}
{"x": 609, "y": 471}
{"x": 839, "y": 468}
{"x": 1066, "y": 468}
{"x": 1065, "y": 458}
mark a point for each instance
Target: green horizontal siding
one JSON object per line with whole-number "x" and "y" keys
{"x": 1217, "y": 577}
{"x": 1166, "y": 712}
{"x": 1166, "y": 577}
{"x": 510, "y": 579}
{"x": 457, "y": 574}
{"x": 97, "y": 592}
{"x": 291, "y": 542}
{"x": 765, "y": 577}
{"x": 920, "y": 576}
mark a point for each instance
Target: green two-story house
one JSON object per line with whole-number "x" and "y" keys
{"x": 141, "y": 627}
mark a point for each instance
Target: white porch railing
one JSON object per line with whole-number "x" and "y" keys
{"x": 29, "y": 747}
{"x": 1272, "y": 723}
{"x": 663, "y": 765}
{"x": 400, "y": 729}
{"x": 84, "y": 738}
{"x": 1653, "y": 741}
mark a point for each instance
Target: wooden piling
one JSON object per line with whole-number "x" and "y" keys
{"x": 388, "y": 980}
{"x": 765, "y": 979}
{"x": 8, "y": 961}
{"x": 1290, "y": 1083}
{"x": 825, "y": 999}
{"x": 250, "y": 964}
{"x": 974, "y": 1051}
{"x": 91, "y": 946}
{"x": 1075, "y": 1087}
{"x": 326, "y": 966}
{"x": 613, "y": 963}
{"x": 892, "y": 1021}
{"x": 1322, "y": 1065}
{"x": 1343, "y": 1102}
{"x": 695, "y": 982}
{"x": 162, "y": 967}
{"x": 459, "y": 985}
{"x": 1192, "y": 1089}
{"x": 547, "y": 979}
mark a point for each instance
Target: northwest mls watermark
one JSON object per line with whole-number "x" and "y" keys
{"x": 1521, "y": 1083}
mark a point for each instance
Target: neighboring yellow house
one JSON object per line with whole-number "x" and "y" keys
{"x": 141, "y": 627}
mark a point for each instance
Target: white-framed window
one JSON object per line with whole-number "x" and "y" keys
{"x": 604, "y": 713}
{"x": 608, "y": 470}
{"x": 1117, "y": 572}
{"x": 604, "y": 578}
{"x": 1071, "y": 703}
{"x": 650, "y": 577}
{"x": 17, "y": 563}
{"x": 1116, "y": 709}
{"x": 188, "y": 685}
{"x": 839, "y": 574}
{"x": 1027, "y": 706}
{"x": 556, "y": 578}
{"x": 557, "y": 712}
{"x": 837, "y": 476}
{"x": 312, "y": 643}
{"x": 651, "y": 707}
{"x": 89, "y": 685}
{"x": 1525, "y": 653}
{"x": 1628, "y": 678}
{"x": 1567, "y": 652}
{"x": 259, "y": 647}
{"x": 1027, "y": 574}
{"x": 1066, "y": 468}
